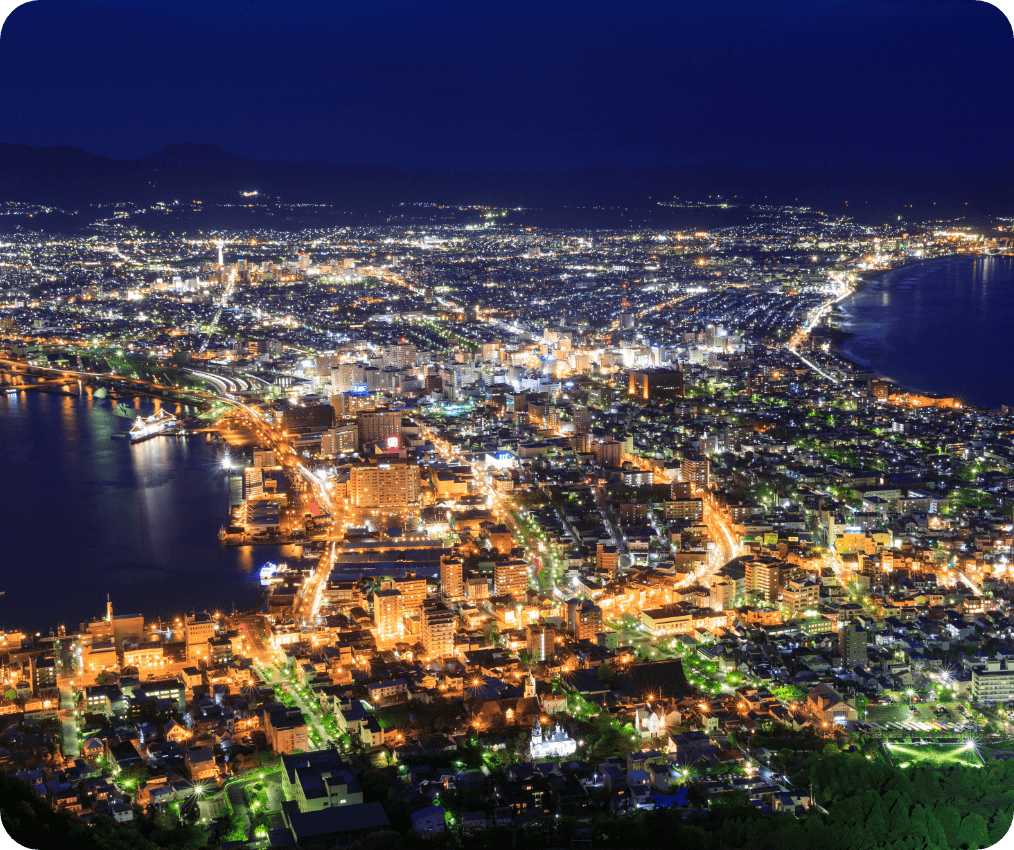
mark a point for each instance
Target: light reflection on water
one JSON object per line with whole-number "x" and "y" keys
{"x": 941, "y": 326}
{"x": 92, "y": 514}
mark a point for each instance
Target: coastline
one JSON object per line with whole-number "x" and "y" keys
{"x": 838, "y": 336}
{"x": 149, "y": 567}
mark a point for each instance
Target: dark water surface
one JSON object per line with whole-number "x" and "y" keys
{"x": 83, "y": 515}
{"x": 943, "y": 326}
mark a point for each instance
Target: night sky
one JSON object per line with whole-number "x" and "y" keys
{"x": 516, "y": 86}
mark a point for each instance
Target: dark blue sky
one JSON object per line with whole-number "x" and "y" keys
{"x": 520, "y": 85}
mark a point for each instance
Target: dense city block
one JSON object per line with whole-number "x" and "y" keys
{"x": 600, "y": 541}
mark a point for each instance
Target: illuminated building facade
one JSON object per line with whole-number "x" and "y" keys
{"x": 696, "y": 470}
{"x": 451, "y": 577}
{"x": 437, "y": 623}
{"x": 390, "y": 484}
{"x": 377, "y": 426}
{"x": 388, "y": 613}
{"x": 510, "y": 578}
{"x": 654, "y": 384}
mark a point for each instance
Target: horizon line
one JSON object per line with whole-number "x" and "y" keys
{"x": 409, "y": 168}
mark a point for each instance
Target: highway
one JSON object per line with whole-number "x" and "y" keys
{"x": 814, "y": 319}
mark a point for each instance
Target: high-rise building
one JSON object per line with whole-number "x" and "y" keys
{"x": 390, "y": 484}
{"x": 510, "y": 578}
{"x": 696, "y": 470}
{"x": 517, "y": 402}
{"x": 373, "y": 378}
{"x": 654, "y": 384}
{"x": 378, "y": 426}
{"x": 345, "y": 377}
{"x": 311, "y": 418}
{"x": 342, "y": 439}
{"x": 349, "y": 405}
{"x": 451, "y": 574}
{"x": 767, "y": 577}
{"x": 413, "y": 591}
{"x": 584, "y": 619}
{"x": 681, "y": 489}
{"x": 541, "y": 640}
{"x": 606, "y": 559}
{"x": 723, "y": 593}
{"x": 437, "y": 622}
{"x": 388, "y": 613}
{"x": 582, "y": 420}
{"x": 690, "y": 510}
{"x": 800, "y": 596}
{"x": 852, "y": 645}
{"x": 399, "y": 356}
{"x": 608, "y": 453}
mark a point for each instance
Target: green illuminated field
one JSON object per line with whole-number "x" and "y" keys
{"x": 937, "y": 755}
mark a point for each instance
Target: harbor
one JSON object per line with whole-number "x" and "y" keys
{"x": 139, "y": 520}
{"x": 161, "y": 422}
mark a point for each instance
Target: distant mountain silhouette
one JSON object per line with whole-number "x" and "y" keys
{"x": 71, "y": 177}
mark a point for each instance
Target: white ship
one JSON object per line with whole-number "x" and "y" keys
{"x": 268, "y": 573}
{"x": 162, "y": 422}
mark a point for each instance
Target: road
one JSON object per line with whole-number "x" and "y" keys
{"x": 312, "y": 591}
{"x": 274, "y": 677}
{"x": 833, "y": 560}
{"x": 250, "y": 628}
{"x": 68, "y": 720}
{"x": 721, "y": 529}
{"x": 607, "y": 517}
{"x": 811, "y": 322}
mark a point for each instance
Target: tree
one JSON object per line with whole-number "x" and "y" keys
{"x": 697, "y": 795}
{"x": 134, "y": 773}
{"x": 606, "y": 674}
{"x": 876, "y": 826}
{"x": 973, "y": 832}
{"x": 384, "y": 839}
{"x": 950, "y": 819}
{"x": 491, "y": 632}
